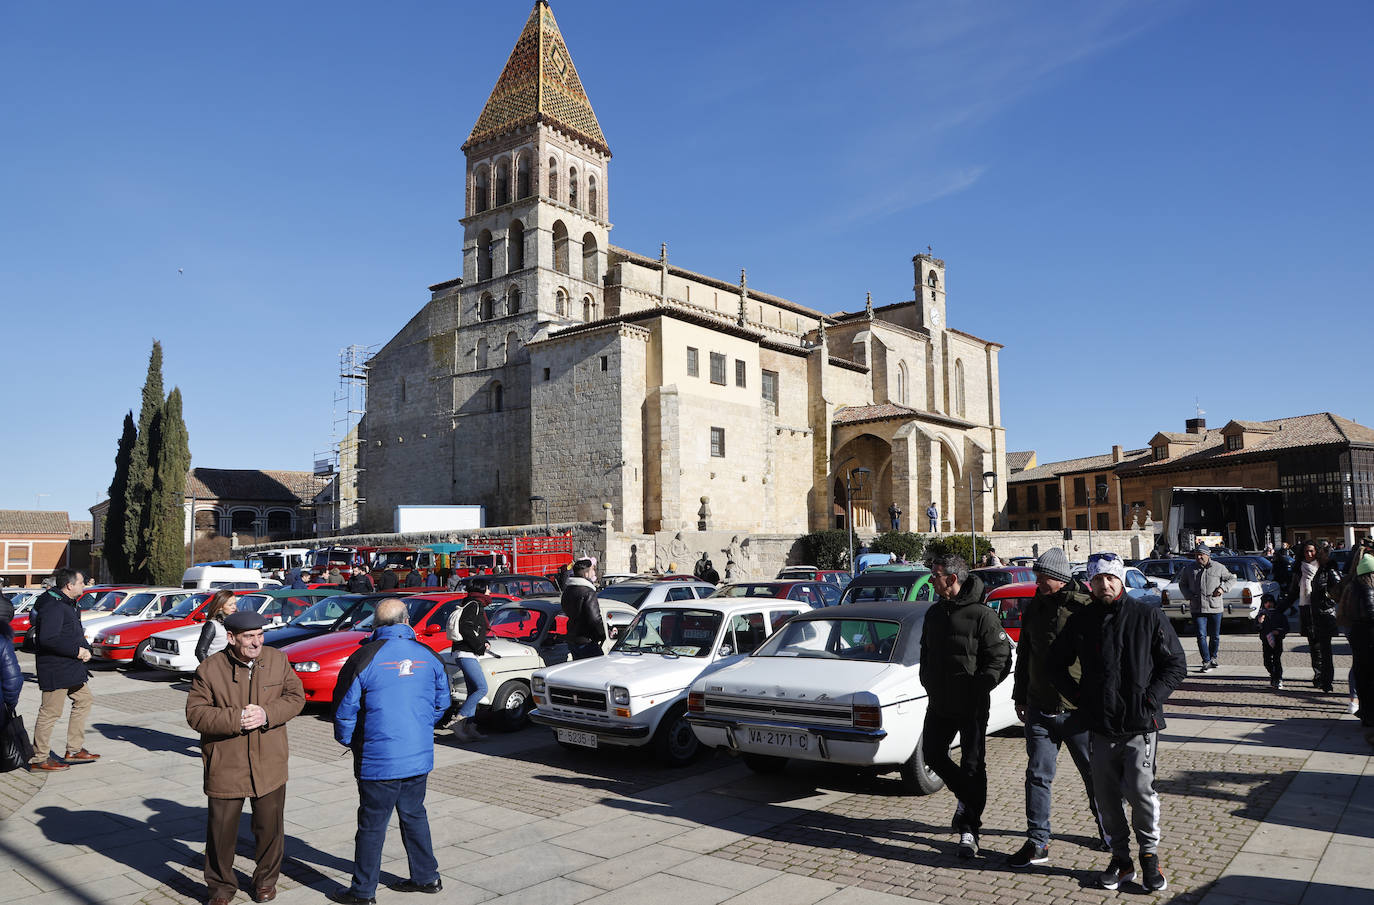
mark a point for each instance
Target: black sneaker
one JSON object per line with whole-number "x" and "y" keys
{"x": 1214, "y": 664}
{"x": 956, "y": 822}
{"x": 1150, "y": 875}
{"x": 1029, "y": 854}
{"x": 1121, "y": 870}
{"x": 1206, "y": 665}
{"x": 968, "y": 845}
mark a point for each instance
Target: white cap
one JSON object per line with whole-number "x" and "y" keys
{"x": 1106, "y": 564}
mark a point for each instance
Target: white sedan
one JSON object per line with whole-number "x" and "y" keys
{"x": 144, "y": 603}
{"x": 839, "y": 685}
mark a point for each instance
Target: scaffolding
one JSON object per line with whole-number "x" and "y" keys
{"x": 342, "y": 462}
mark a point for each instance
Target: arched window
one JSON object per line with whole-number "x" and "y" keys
{"x": 589, "y": 258}
{"x": 515, "y": 246}
{"x": 502, "y": 182}
{"x": 512, "y": 346}
{"x": 933, "y": 279}
{"x": 522, "y": 176}
{"x": 498, "y": 398}
{"x": 572, "y": 187}
{"x": 484, "y": 255}
{"x": 243, "y": 521}
{"x": 481, "y": 356}
{"x": 588, "y": 308}
{"x": 486, "y": 308}
{"x": 592, "y": 197}
{"x": 553, "y": 179}
{"x": 959, "y": 387}
{"x": 207, "y": 521}
{"x": 902, "y": 387}
{"x": 560, "y": 248}
{"x": 513, "y": 300}
{"x": 279, "y": 521}
{"x": 560, "y": 304}
{"x": 481, "y": 189}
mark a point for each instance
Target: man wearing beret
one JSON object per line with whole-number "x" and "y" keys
{"x": 240, "y": 701}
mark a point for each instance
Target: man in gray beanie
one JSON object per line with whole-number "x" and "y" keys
{"x": 1049, "y": 718}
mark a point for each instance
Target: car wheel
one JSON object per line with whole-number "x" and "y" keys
{"x": 764, "y": 763}
{"x": 917, "y": 777}
{"x": 675, "y": 743}
{"x": 137, "y": 661}
{"x": 510, "y": 706}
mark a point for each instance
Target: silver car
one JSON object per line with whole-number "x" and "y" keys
{"x": 647, "y": 593}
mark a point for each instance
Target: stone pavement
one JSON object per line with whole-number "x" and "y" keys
{"x": 1267, "y": 797}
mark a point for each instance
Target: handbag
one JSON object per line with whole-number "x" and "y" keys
{"x": 15, "y": 748}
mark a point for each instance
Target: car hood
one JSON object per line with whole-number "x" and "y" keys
{"x": 91, "y": 626}
{"x": 141, "y": 628}
{"x": 503, "y": 648}
{"x": 803, "y": 678}
{"x": 180, "y": 633}
{"x": 644, "y": 674}
{"x": 325, "y": 647}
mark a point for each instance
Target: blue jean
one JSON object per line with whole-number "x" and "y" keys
{"x": 1045, "y": 733}
{"x": 1208, "y": 635}
{"x": 477, "y": 685}
{"x": 377, "y": 798}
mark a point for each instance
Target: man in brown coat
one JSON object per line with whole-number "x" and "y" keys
{"x": 240, "y": 701}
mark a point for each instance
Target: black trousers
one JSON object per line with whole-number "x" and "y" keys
{"x": 968, "y": 779}
{"x": 1361, "y": 639}
{"x": 1273, "y": 657}
{"x": 1318, "y": 647}
{"x": 222, "y": 834}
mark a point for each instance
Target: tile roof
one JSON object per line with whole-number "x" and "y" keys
{"x": 1069, "y": 466}
{"x": 539, "y": 84}
{"x": 80, "y": 529}
{"x": 252, "y": 484}
{"x": 1320, "y": 429}
{"x": 857, "y": 414}
{"x": 33, "y": 521}
{"x": 1017, "y": 461}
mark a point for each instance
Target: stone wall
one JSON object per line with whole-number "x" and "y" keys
{"x": 589, "y": 538}
{"x": 1128, "y": 544}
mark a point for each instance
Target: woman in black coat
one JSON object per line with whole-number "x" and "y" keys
{"x": 213, "y": 638}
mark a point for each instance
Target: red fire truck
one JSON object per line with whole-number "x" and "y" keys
{"x": 525, "y": 555}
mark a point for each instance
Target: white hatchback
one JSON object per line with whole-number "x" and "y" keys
{"x": 143, "y": 603}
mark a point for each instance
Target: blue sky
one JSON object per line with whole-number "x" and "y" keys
{"x": 1148, "y": 203}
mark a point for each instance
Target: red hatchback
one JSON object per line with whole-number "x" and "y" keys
{"x": 317, "y": 661}
{"x": 1008, "y": 601}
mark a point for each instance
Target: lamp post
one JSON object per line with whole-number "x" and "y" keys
{"x": 855, "y": 477}
{"x": 540, "y": 499}
{"x": 1099, "y": 495}
{"x": 989, "y": 482}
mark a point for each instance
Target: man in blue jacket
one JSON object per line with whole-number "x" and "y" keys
{"x": 390, "y": 694}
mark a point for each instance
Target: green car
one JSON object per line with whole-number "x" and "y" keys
{"x": 889, "y": 583}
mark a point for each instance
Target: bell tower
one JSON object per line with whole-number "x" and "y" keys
{"x": 536, "y": 224}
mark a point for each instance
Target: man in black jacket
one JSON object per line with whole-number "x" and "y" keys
{"x": 1131, "y": 661}
{"x": 61, "y": 655}
{"x": 965, "y": 654}
{"x": 585, "y": 631}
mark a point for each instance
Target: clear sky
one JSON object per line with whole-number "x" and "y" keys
{"x": 1148, "y": 203}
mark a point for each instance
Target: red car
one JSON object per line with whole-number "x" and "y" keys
{"x": 996, "y": 576}
{"x": 126, "y": 641}
{"x": 1008, "y": 601}
{"x": 22, "y": 622}
{"x": 317, "y": 661}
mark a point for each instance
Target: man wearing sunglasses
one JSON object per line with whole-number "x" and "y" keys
{"x": 1130, "y": 661}
{"x": 1205, "y": 583}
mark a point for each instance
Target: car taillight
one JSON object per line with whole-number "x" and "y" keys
{"x": 1164, "y": 598}
{"x": 868, "y": 716}
{"x": 696, "y": 702}
{"x": 1246, "y": 594}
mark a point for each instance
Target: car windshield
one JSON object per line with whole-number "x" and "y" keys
{"x": 684, "y": 633}
{"x": 400, "y": 559}
{"x": 1157, "y": 569}
{"x": 326, "y": 558}
{"x": 747, "y": 590}
{"x": 416, "y": 608}
{"x": 994, "y": 579}
{"x": 107, "y": 602}
{"x": 517, "y": 623}
{"x": 134, "y": 604}
{"x": 325, "y": 612}
{"x": 633, "y": 594}
{"x": 877, "y": 592}
{"x": 272, "y": 561}
{"x": 185, "y": 607}
{"x": 834, "y": 639}
{"x": 254, "y": 602}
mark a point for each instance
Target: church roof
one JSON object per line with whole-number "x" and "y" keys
{"x": 539, "y": 84}
{"x": 887, "y": 411}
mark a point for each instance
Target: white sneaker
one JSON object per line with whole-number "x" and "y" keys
{"x": 1354, "y": 706}
{"x": 968, "y": 845}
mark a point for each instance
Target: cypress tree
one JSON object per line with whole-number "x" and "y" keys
{"x": 113, "y": 550}
{"x": 169, "y": 454}
{"x": 140, "y": 485}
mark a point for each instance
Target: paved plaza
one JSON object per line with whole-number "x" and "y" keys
{"x": 1267, "y": 797}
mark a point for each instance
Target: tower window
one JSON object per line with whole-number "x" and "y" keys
{"x": 560, "y": 248}
{"x": 503, "y": 183}
{"x": 718, "y": 442}
{"x": 560, "y": 304}
{"x": 546, "y": 373}
{"x": 959, "y": 388}
{"x": 553, "y": 179}
{"x": 693, "y": 370}
{"x": 486, "y": 308}
{"x": 513, "y": 301}
{"x": 498, "y": 398}
{"x": 572, "y": 187}
{"x": 515, "y": 245}
{"x": 589, "y": 258}
{"x": 770, "y": 389}
{"x": 591, "y": 196}
{"x": 588, "y": 309}
{"x": 481, "y": 189}
{"x": 481, "y": 354}
{"x": 605, "y": 363}
{"x": 718, "y": 368}
{"x": 741, "y": 370}
{"x": 522, "y": 177}
{"x": 484, "y": 255}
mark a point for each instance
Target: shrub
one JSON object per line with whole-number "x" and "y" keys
{"x": 906, "y": 544}
{"x": 827, "y": 549}
{"x": 958, "y": 544}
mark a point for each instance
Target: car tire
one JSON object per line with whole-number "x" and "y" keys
{"x": 510, "y": 706}
{"x": 137, "y": 661}
{"x": 917, "y": 777}
{"x": 764, "y": 763}
{"x": 675, "y": 743}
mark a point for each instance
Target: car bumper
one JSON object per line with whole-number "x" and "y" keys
{"x": 108, "y": 652}
{"x": 833, "y": 744}
{"x": 169, "y": 662}
{"x": 318, "y": 688}
{"x": 607, "y": 733}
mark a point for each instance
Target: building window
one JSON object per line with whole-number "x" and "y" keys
{"x": 588, "y": 309}
{"x": 17, "y": 555}
{"x": 522, "y": 177}
{"x": 718, "y": 368}
{"x": 553, "y": 178}
{"x": 1032, "y": 499}
{"x": 486, "y": 308}
{"x": 515, "y": 246}
{"x": 1235, "y": 442}
{"x": 591, "y": 196}
{"x": 503, "y": 182}
{"x": 740, "y": 371}
{"x": 484, "y": 255}
{"x": 1080, "y": 493}
{"x": 481, "y": 354}
{"x": 560, "y": 248}
{"x": 546, "y": 373}
{"x": 1054, "y": 524}
{"x": 513, "y": 301}
{"x": 1011, "y": 500}
{"x": 1102, "y": 491}
{"x": 1104, "y": 521}
{"x": 770, "y": 389}
{"x": 1052, "y": 497}
{"x": 560, "y": 303}
{"x": 959, "y": 388}
{"x": 902, "y": 383}
{"x": 1034, "y": 524}
{"x": 718, "y": 442}
{"x": 481, "y": 191}
{"x": 589, "y": 258}
{"x": 1159, "y": 452}
{"x": 692, "y": 369}
{"x": 605, "y": 363}
{"x": 498, "y": 398}
{"x": 1081, "y": 522}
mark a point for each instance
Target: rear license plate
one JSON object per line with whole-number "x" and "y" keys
{"x": 781, "y": 739}
{"x": 573, "y": 737}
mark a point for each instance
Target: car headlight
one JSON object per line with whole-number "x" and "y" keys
{"x": 620, "y": 695}
{"x": 306, "y": 666}
{"x": 108, "y": 639}
{"x": 537, "y": 684}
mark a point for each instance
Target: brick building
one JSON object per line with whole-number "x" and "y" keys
{"x": 33, "y": 542}
{"x": 563, "y": 367}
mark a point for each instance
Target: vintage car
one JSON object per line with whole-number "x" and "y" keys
{"x": 811, "y": 593}
{"x": 889, "y": 583}
{"x": 637, "y": 694}
{"x": 840, "y": 578}
{"x": 336, "y": 611}
{"x": 525, "y": 636}
{"x": 144, "y": 603}
{"x": 174, "y": 649}
{"x": 126, "y": 642}
{"x": 838, "y": 685}
{"x": 993, "y": 577}
{"x": 638, "y": 593}
{"x": 1241, "y": 603}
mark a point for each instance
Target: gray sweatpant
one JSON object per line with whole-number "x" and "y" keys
{"x": 1124, "y": 773}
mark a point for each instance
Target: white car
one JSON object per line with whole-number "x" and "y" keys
{"x": 637, "y": 694}
{"x": 144, "y": 603}
{"x": 639, "y": 594}
{"x": 840, "y": 686}
{"x": 526, "y": 636}
{"x": 175, "y": 649}
{"x": 1242, "y": 601}
{"x": 1138, "y": 585}
{"x": 104, "y": 604}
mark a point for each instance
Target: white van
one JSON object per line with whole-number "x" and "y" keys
{"x": 213, "y": 578}
{"x": 283, "y": 558}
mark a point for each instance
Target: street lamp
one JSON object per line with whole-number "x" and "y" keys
{"x": 857, "y": 477}
{"x": 989, "y": 482}
{"x": 540, "y": 499}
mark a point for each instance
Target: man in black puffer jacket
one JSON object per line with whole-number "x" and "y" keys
{"x": 1131, "y": 661}
{"x": 585, "y": 631}
{"x": 62, "y": 653}
{"x": 965, "y": 654}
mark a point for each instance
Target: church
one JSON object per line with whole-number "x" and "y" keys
{"x": 562, "y": 367}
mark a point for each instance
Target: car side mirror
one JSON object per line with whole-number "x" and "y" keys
{"x": 726, "y": 650}
{"x": 433, "y": 629}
